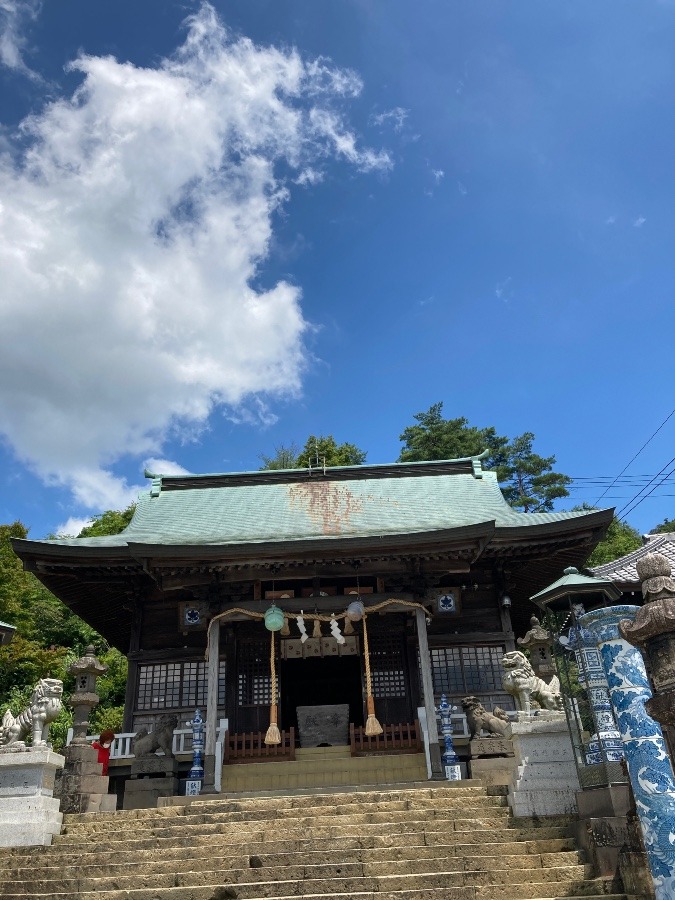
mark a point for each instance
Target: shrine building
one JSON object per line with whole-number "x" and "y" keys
{"x": 442, "y": 564}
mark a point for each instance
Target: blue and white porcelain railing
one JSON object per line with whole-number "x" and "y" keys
{"x": 649, "y": 767}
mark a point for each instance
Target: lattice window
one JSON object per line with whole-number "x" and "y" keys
{"x": 466, "y": 670}
{"x": 254, "y": 681}
{"x": 387, "y": 666}
{"x": 176, "y": 685}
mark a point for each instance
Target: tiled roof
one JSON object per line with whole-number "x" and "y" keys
{"x": 623, "y": 570}
{"x": 361, "y": 501}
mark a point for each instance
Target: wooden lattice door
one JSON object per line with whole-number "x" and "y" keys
{"x": 390, "y": 675}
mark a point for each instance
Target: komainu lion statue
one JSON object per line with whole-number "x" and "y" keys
{"x": 521, "y": 682}
{"x": 45, "y": 705}
{"x": 147, "y": 743}
{"x": 479, "y": 719}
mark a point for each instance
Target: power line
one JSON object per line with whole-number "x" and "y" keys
{"x": 636, "y": 455}
{"x": 624, "y": 511}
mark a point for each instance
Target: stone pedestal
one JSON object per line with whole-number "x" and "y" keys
{"x": 545, "y": 781}
{"x": 82, "y": 787}
{"x": 152, "y": 777}
{"x": 29, "y": 813}
{"x": 492, "y": 760}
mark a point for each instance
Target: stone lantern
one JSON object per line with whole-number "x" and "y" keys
{"x": 84, "y": 698}
{"x": 539, "y": 642}
{"x": 653, "y": 632}
{"x": 6, "y": 633}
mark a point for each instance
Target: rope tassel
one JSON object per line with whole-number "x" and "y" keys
{"x": 273, "y": 736}
{"x": 373, "y": 727}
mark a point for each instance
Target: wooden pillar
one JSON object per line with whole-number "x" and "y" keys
{"x": 209, "y": 786}
{"x": 132, "y": 672}
{"x": 437, "y": 771}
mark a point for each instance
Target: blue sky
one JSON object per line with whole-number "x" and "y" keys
{"x": 225, "y": 227}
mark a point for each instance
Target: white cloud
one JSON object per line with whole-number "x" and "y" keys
{"x": 130, "y": 233}
{"x": 639, "y": 222}
{"x": 438, "y": 175}
{"x": 503, "y": 290}
{"x": 164, "y": 467}
{"x": 72, "y": 527}
{"x": 395, "y": 117}
{"x": 14, "y": 15}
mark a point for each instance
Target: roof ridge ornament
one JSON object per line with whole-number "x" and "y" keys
{"x": 477, "y": 464}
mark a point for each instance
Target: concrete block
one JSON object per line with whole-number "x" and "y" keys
{"x": 29, "y": 814}
{"x": 545, "y": 782}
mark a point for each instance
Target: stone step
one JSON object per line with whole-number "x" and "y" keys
{"x": 546, "y": 891}
{"x": 388, "y": 834}
{"x": 256, "y": 812}
{"x": 328, "y": 795}
{"x": 375, "y": 849}
{"x": 300, "y": 880}
{"x": 382, "y": 861}
{"x": 355, "y": 814}
{"x": 218, "y": 893}
{"x": 466, "y": 833}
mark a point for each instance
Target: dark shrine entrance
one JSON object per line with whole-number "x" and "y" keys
{"x": 320, "y": 681}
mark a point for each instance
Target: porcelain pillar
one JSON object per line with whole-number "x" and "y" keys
{"x": 649, "y": 768}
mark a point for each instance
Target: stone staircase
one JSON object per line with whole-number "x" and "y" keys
{"x": 451, "y": 841}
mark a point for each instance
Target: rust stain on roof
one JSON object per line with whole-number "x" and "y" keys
{"x": 329, "y": 504}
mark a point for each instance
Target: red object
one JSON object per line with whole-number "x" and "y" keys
{"x": 104, "y": 752}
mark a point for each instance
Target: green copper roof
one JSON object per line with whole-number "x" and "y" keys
{"x": 573, "y": 585}
{"x": 355, "y": 501}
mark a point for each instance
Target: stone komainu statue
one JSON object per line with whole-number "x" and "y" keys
{"x": 45, "y": 705}
{"x": 147, "y": 743}
{"x": 479, "y": 719}
{"x": 521, "y": 682}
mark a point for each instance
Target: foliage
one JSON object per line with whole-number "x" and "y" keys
{"x": 50, "y": 637}
{"x": 620, "y": 539}
{"x": 527, "y": 479}
{"x": 666, "y": 527}
{"x": 285, "y": 457}
{"x": 434, "y": 437}
{"x": 334, "y": 454}
{"x": 289, "y": 457}
{"x": 112, "y": 521}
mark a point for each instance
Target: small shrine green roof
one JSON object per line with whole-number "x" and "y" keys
{"x": 574, "y": 584}
{"x": 299, "y": 504}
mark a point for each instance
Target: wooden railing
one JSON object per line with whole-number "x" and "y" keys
{"x": 250, "y": 746}
{"x": 401, "y": 738}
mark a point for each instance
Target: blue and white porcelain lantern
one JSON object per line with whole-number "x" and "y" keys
{"x": 274, "y": 618}
{"x": 450, "y": 760}
{"x": 197, "y": 725}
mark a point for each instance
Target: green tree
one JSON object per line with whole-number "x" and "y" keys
{"x": 621, "y": 538}
{"x": 285, "y": 457}
{"x": 666, "y": 527}
{"x": 112, "y": 521}
{"x": 527, "y": 479}
{"x": 50, "y": 637}
{"x": 289, "y": 457}
{"x": 334, "y": 454}
{"x": 434, "y": 437}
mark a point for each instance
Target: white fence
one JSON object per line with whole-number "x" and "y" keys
{"x": 182, "y": 741}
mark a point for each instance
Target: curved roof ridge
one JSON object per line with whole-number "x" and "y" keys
{"x": 624, "y": 569}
